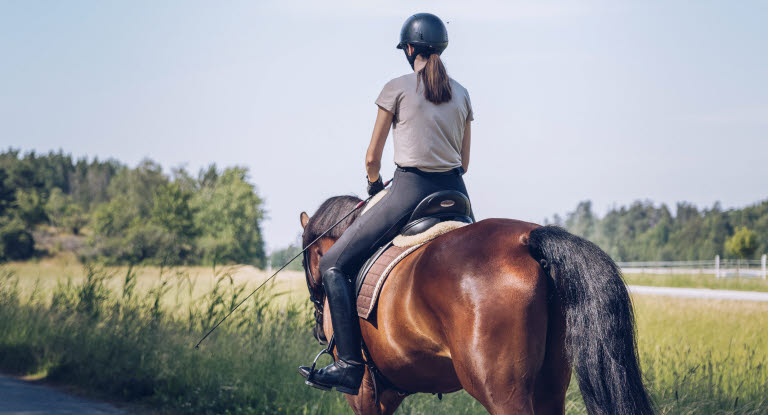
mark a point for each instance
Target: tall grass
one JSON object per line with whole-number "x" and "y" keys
{"x": 110, "y": 334}
{"x": 705, "y": 356}
{"x": 136, "y": 346}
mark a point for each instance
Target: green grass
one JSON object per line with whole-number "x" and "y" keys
{"x": 698, "y": 281}
{"x": 128, "y": 334}
{"x": 704, "y": 356}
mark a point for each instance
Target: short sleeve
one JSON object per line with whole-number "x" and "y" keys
{"x": 389, "y": 98}
{"x": 470, "y": 112}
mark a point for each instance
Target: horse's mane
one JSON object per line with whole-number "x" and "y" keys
{"x": 329, "y": 213}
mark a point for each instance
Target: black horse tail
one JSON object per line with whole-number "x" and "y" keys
{"x": 600, "y": 333}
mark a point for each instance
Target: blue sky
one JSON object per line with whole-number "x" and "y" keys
{"x": 608, "y": 101}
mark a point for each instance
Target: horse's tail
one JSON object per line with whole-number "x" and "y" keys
{"x": 600, "y": 334}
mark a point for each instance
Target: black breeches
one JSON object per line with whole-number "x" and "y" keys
{"x": 383, "y": 221}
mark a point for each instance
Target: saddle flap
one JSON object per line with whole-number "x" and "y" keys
{"x": 372, "y": 279}
{"x": 360, "y": 278}
{"x": 375, "y": 271}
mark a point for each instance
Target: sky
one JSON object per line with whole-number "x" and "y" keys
{"x": 609, "y": 101}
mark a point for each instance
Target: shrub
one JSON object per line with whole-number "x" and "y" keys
{"x": 16, "y": 242}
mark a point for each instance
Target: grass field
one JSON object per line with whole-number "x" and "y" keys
{"x": 128, "y": 334}
{"x": 45, "y": 275}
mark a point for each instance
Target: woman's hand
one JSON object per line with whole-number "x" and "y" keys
{"x": 375, "y": 186}
{"x": 379, "y": 138}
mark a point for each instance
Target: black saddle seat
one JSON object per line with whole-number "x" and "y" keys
{"x": 438, "y": 207}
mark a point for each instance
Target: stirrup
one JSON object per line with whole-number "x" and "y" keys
{"x": 329, "y": 351}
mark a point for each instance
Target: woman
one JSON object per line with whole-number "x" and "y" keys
{"x": 430, "y": 114}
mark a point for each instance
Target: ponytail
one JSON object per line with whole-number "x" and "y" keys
{"x": 437, "y": 85}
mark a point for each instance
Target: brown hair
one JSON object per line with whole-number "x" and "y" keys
{"x": 437, "y": 85}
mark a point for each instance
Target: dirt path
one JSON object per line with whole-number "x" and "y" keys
{"x": 703, "y": 293}
{"x": 18, "y": 397}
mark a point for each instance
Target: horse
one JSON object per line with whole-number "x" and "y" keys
{"x": 500, "y": 308}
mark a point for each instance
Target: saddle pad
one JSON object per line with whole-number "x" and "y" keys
{"x": 376, "y": 275}
{"x": 441, "y": 228}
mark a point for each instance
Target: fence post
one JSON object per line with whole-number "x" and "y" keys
{"x": 763, "y": 264}
{"x": 717, "y": 266}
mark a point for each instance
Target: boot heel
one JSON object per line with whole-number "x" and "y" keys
{"x": 319, "y": 386}
{"x": 348, "y": 391}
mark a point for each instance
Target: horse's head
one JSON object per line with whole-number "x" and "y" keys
{"x": 326, "y": 216}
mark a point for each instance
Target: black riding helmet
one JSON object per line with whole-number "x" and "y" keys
{"x": 426, "y": 33}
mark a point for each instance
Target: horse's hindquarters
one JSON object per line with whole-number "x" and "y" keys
{"x": 470, "y": 310}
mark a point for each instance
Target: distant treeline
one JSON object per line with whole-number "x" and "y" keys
{"x": 107, "y": 211}
{"x": 119, "y": 214}
{"x": 645, "y": 232}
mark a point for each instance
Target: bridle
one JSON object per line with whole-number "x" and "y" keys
{"x": 316, "y": 291}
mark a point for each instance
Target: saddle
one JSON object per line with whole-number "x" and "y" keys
{"x": 435, "y": 215}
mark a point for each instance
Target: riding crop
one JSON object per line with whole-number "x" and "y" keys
{"x": 358, "y": 206}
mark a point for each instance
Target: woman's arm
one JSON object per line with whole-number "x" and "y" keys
{"x": 465, "y": 142}
{"x": 379, "y": 138}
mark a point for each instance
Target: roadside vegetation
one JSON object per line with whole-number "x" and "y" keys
{"x": 128, "y": 333}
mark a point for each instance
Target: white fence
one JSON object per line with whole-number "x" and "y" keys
{"x": 720, "y": 268}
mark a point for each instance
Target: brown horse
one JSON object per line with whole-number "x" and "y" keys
{"x": 502, "y": 309}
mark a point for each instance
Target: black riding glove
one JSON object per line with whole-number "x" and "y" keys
{"x": 374, "y": 187}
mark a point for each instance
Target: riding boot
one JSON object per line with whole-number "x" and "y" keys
{"x": 346, "y": 373}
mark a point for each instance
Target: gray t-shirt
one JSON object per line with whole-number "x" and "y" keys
{"x": 427, "y": 135}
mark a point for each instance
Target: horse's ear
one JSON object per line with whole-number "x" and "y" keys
{"x": 304, "y": 218}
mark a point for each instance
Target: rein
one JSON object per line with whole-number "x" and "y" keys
{"x": 316, "y": 295}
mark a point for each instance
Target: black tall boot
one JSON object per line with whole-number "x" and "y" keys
{"x": 347, "y": 372}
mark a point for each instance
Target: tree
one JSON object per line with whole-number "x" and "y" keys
{"x": 123, "y": 229}
{"x": 229, "y": 214}
{"x": 88, "y": 182}
{"x": 582, "y": 221}
{"x": 16, "y": 241}
{"x": 742, "y": 244}
{"x": 63, "y": 212}
{"x": 137, "y": 186}
{"x": 281, "y": 256}
{"x": 173, "y": 214}
{"x": 30, "y": 206}
{"x": 7, "y": 193}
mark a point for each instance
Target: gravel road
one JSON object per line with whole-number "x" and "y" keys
{"x": 18, "y": 397}
{"x": 704, "y": 293}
